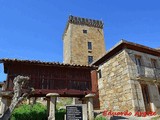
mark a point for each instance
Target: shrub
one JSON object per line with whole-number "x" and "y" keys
{"x": 60, "y": 114}
{"x": 29, "y": 112}
{"x": 100, "y": 118}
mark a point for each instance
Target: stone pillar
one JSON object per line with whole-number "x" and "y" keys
{"x": 90, "y": 106}
{"x": 53, "y": 97}
{"x": 3, "y": 105}
{"x": 34, "y": 100}
{"x": 84, "y": 101}
{"x": 48, "y": 106}
{"x": 6, "y": 98}
{"x": 74, "y": 101}
{"x": 28, "y": 101}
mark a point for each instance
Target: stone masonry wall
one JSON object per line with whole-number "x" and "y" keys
{"x": 114, "y": 86}
{"x": 148, "y": 72}
{"x": 146, "y": 64}
{"x": 67, "y": 45}
{"x": 76, "y": 42}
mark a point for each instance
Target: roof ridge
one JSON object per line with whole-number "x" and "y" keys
{"x": 127, "y": 44}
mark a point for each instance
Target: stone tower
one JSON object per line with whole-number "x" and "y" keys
{"x": 83, "y": 41}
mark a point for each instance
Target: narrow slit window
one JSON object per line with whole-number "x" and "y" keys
{"x": 90, "y": 59}
{"x": 89, "y": 45}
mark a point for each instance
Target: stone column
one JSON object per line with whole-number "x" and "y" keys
{"x": 6, "y": 98}
{"x": 90, "y": 106}
{"x": 28, "y": 101}
{"x": 48, "y": 106}
{"x": 74, "y": 101}
{"x": 34, "y": 100}
{"x": 53, "y": 97}
{"x": 84, "y": 101}
{"x": 3, "y": 105}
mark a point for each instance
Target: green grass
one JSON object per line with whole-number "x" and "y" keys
{"x": 100, "y": 118}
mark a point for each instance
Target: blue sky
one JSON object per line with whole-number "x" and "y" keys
{"x": 32, "y": 29}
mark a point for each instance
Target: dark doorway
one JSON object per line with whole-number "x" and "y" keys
{"x": 146, "y": 97}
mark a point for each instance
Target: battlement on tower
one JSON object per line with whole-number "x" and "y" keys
{"x": 83, "y": 21}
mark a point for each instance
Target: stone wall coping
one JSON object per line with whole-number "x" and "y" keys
{"x": 90, "y": 95}
{"x": 52, "y": 95}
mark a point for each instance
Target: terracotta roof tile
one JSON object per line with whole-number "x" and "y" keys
{"x": 38, "y": 62}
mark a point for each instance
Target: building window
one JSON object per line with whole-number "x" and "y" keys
{"x": 138, "y": 60}
{"x": 154, "y": 63}
{"x": 140, "y": 69}
{"x": 85, "y": 31}
{"x": 89, "y": 45}
{"x": 90, "y": 59}
{"x": 99, "y": 74}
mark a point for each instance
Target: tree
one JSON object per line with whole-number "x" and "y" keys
{"x": 19, "y": 83}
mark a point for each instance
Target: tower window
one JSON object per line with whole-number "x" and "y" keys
{"x": 90, "y": 59}
{"x": 89, "y": 45}
{"x": 85, "y": 31}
